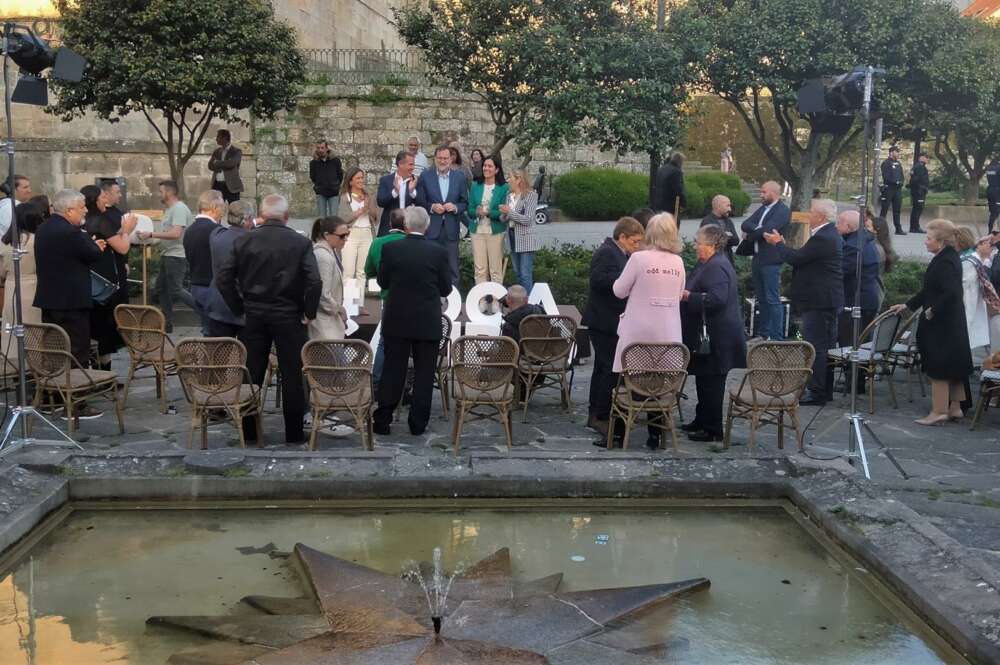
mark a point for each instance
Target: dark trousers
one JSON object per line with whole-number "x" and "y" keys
{"x": 603, "y": 380}
{"x": 892, "y": 196}
{"x": 917, "y": 209}
{"x": 76, "y": 323}
{"x": 223, "y": 329}
{"x": 224, "y": 190}
{"x": 993, "y": 201}
{"x": 819, "y": 328}
{"x": 201, "y": 295}
{"x": 397, "y": 352}
{"x": 170, "y": 286}
{"x": 288, "y": 336}
{"x": 452, "y": 247}
{"x": 708, "y": 411}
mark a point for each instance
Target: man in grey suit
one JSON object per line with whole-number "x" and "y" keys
{"x": 225, "y": 167}
{"x": 444, "y": 193}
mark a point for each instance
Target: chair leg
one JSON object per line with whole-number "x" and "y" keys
{"x": 793, "y": 414}
{"x": 118, "y": 408}
{"x": 277, "y": 389}
{"x": 505, "y": 415}
{"x": 611, "y": 423}
{"x": 564, "y": 384}
{"x": 754, "y": 420}
{"x": 629, "y": 420}
{"x": 128, "y": 382}
{"x": 238, "y": 422}
{"x": 195, "y": 421}
{"x": 729, "y": 425}
{"x": 673, "y": 431}
{"x": 314, "y": 428}
{"x": 870, "y": 379}
{"x": 204, "y": 430}
{"x": 260, "y": 427}
{"x": 161, "y": 388}
{"x": 70, "y": 417}
{"x": 781, "y": 430}
{"x": 456, "y": 435}
{"x": 527, "y": 382}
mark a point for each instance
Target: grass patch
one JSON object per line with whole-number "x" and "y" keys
{"x": 238, "y": 472}
{"x": 176, "y": 472}
{"x": 391, "y": 79}
{"x": 933, "y": 495}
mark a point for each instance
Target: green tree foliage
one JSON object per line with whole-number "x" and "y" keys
{"x": 762, "y": 51}
{"x": 181, "y": 63}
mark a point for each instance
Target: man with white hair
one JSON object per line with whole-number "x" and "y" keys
{"x": 419, "y": 158}
{"x": 416, "y": 273}
{"x": 817, "y": 291}
{"x": 518, "y": 309}
{"x": 848, "y": 228}
{"x": 221, "y": 320}
{"x": 272, "y": 279}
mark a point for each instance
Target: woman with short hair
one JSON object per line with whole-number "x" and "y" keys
{"x": 942, "y": 336}
{"x": 359, "y": 209}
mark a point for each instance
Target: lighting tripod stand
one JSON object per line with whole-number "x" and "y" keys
{"x": 857, "y": 424}
{"x": 22, "y": 412}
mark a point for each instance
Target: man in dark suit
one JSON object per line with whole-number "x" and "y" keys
{"x": 272, "y": 278}
{"x": 444, "y": 193}
{"x": 817, "y": 291}
{"x": 225, "y": 167}
{"x": 64, "y": 256}
{"x": 892, "y": 188}
{"x": 668, "y": 187}
{"x": 415, "y": 271}
{"x": 773, "y": 216}
{"x": 601, "y": 316}
{"x": 211, "y": 209}
{"x": 920, "y": 182}
{"x": 396, "y": 190}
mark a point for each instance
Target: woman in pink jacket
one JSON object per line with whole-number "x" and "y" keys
{"x": 653, "y": 281}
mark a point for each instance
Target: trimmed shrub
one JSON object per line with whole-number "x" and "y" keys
{"x": 712, "y": 183}
{"x": 601, "y": 194}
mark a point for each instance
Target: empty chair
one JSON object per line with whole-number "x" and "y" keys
{"x": 546, "y": 354}
{"x": 651, "y": 379}
{"x": 442, "y": 369}
{"x": 217, "y": 383}
{"x": 144, "y": 330}
{"x": 904, "y": 354}
{"x": 875, "y": 343}
{"x": 339, "y": 373}
{"x": 777, "y": 373}
{"x": 57, "y": 373}
{"x": 483, "y": 369}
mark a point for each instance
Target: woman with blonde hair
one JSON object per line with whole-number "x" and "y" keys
{"x": 519, "y": 214}
{"x": 653, "y": 282}
{"x": 942, "y": 337}
{"x": 359, "y": 209}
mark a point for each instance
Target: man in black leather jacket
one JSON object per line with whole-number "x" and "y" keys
{"x": 273, "y": 279}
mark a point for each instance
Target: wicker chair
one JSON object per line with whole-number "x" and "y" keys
{"x": 651, "y": 379}
{"x": 58, "y": 374}
{"x": 546, "y": 349}
{"x": 441, "y": 373}
{"x": 144, "y": 330}
{"x": 904, "y": 354}
{"x": 777, "y": 373}
{"x": 272, "y": 378}
{"x": 217, "y": 384}
{"x": 483, "y": 369}
{"x": 876, "y": 340}
{"x": 989, "y": 390}
{"x": 340, "y": 379}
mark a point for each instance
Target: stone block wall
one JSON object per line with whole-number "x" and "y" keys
{"x": 365, "y": 24}
{"x": 369, "y": 135}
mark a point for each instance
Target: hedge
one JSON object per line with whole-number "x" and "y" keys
{"x": 606, "y": 194}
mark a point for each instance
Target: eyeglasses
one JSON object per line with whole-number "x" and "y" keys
{"x": 342, "y": 235}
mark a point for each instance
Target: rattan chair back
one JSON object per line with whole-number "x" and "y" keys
{"x": 445, "y": 340}
{"x": 47, "y": 351}
{"x": 142, "y": 327}
{"x": 337, "y": 368}
{"x": 779, "y": 368}
{"x": 484, "y": 365}
{"x": 547, "y": 340}
{"x": 654, "y": 370}
{"x": 212, "y": 369}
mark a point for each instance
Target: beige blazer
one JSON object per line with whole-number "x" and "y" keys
{"x": 345, "y": 213}
{"x": 330, "y": 317}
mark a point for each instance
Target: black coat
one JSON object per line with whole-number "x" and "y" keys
{"x": 713, "y": 290}
{"x": 919, "y": 181}
{"x": 326, "y": 176}
{"x": 271, "y": 274}
{"x": 943, "y": 339}
{"x": 604, "y": 308}
{"x": 387, "y": 202}
{"x": 668, "y": 185}
{"x": 733, "y": 241}
{"x": 870, "y": 291}
{"x": 416, "y": 273}
{"x": 64, "y": 256}
{"x": 817, "y": 271}
{"x": 892, "y": 173}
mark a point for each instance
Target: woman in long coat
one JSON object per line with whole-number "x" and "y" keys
{"x": 942, "y": 336}
{"x": 329, "y": 235}
{"x": 711, "y": 296}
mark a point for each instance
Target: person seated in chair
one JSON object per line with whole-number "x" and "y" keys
{"x": 518, "y": 309}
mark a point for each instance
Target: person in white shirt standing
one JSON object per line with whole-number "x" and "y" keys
{"x": 396, "y": 190}
{"x": 22, "y": 193}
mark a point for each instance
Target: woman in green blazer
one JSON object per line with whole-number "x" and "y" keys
{"x": 485, "y": 227}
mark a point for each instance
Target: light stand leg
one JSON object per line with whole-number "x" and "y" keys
{"x": 145, "y": 274}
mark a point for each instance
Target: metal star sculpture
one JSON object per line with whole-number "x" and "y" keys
{"x": 360, "y": 616}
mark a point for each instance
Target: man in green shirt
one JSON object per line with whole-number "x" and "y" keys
{"x": 173, "y": 264}
{"x": 396, "y": 232}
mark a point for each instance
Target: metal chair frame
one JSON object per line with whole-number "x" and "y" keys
{"x": 144, "y": 330}
{"x": 442, "y": 371}
{"x": 904, "y": 353}
{"x": 480, "y": 365}
{"x": 545, "y": 351}
{"x": 650, "y": 382}
{"x": 875, "y": 343}
{"x": 989, "y": 389}
{"x": 338, "y": 371}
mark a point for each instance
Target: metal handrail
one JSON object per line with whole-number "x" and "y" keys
{"x": 360, "y": 66}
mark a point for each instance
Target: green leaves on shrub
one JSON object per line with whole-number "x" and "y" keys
{"x": 601, "y": 194}
{"x": 707, "y": 185}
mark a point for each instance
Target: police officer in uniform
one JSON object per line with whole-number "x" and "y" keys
{"x": 919, "y": 184}
{"x": 993, "y": 190}
{"x": 892, "y": 188}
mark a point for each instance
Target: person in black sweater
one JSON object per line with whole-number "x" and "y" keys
{"x": 197, "y": 250}
{"x": 721, "y": 216}
{"x": 892, "y": 188}
{"x": 817, "y": 291}
{"x": 326, "y": 174}
{"x": 919, "y": 184}
{"x": 601, "y": 317}
{"x": 272, "y": 278}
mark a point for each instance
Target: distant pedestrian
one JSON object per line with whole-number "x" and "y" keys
{"x": 476, "y": 158}
{"x": 726, "y": 160}
{"x": 326, "y": 174}
{"x": 919, "y": 185}
{"x": 518, "y": 309}
{"x": 444, "y": 193}
{"x": 396, "y": 232}
{"x": 892, "y": 188}
{"x": 485, "y": 226}
{"x": 420, "y": 162}
{"x": 643, "y": 215}
{"x": 396, "y": 190}
{"x": 225, "y": 167}
{"x": 993, "y": 191}
{"x": 668, "y": 187}
{"x": 765, "y": 268}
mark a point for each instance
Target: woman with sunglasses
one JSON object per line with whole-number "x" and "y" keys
{"x": 329, "y": 235}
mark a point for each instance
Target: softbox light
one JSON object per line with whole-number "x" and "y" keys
{"x": 31, "y": 90}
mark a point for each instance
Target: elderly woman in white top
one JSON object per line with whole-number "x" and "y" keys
{"x": 329, "y": 235}
{"x": 359, "y": 209}
{"x": 976, "y": 319}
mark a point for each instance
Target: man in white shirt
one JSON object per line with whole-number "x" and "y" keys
{"x": 22, "y": 193}
{"x": 396, "y": 190}
{"x": 419, "y": 159}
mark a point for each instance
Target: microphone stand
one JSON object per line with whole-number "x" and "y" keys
{"x": 21, "y": 412}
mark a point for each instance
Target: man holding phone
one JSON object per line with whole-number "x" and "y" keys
{"x": 396, "y": 190}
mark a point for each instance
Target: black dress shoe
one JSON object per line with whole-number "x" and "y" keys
{"x": 603, "y": 443}
{"x": 381, "y": 429}
{"x": 653, "y": 443}
{"x": 900, "y": 232}
{"x": 917, "y": 230}
{"x": 809, "y": 398}
{"x": 693, "y": 426}
{"x": 704, "y": 436}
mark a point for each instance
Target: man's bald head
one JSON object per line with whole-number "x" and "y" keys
{"x": 848, "y": 222}
{"x": 517, "y": 296}
{"x": 721, "y": 205}
{"x": 770, "y": 192}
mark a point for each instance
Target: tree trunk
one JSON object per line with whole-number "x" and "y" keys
{"x": 654, "y": 166}
{"x": 809, "y": 174}
{"x": 970, "y": 189}
{"x": 177, "y": 174}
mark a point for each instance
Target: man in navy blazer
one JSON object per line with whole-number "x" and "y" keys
{"x": 445, "y": 195}
{"x": 771, "y": 217}
{"x": 817, "y": 291}
{"x": 396, "y": 190}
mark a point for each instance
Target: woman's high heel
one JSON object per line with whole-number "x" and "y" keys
{"x": 933, "y": 419}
